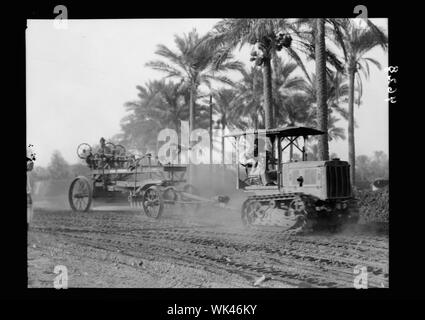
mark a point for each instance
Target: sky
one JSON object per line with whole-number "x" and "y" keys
{"x": 78, "y": 80}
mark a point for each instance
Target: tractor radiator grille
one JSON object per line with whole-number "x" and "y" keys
{"x": 338, "y": 181}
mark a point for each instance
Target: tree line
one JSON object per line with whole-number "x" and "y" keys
{"x": 368, "y": 168}
{"x": 58, "y": 169}
{"x": 270, "y": 92}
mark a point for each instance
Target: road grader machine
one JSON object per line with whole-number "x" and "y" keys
{"x": 117, "y": 175}
{"x": 296, "y": 194}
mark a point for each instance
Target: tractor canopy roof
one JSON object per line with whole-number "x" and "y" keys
{"x": 281, "y": 132}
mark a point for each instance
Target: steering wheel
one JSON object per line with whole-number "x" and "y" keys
{"x": 83, "y": 150}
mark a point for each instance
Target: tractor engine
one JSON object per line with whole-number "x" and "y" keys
{"x": 327, "y": 180}
{"x": 327, "y": 183}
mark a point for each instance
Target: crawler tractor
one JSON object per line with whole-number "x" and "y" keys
{"x": 296, "y": 194}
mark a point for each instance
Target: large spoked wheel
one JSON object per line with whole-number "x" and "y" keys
{"x": 189, "y": 204}
{"x": 83, "y": 150}
{"x": 80, "y": 194}
{"x": 153, "y": 203}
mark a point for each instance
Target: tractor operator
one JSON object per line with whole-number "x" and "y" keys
{"x": 103, "y": 148}
{"x": 256, "y": 163}
{"x": 30, "y": 166}
{"x": 105, "y": 153}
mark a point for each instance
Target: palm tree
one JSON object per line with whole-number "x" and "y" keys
{"x": 193, "y": 65}
{"x": 223, "y": 103}
{"x": 268, "y": 36}
{"x": 322, "y": 108}
{"x": 247, "y": 105}
{"x": 296, "y": 110}
{"x": 312, "y": 39}
{"x": 160, "y": 105}
{"x": 333, "y": 133}
{"x": 337, "y": 93}
{"x": 289, "y": 104}
{"x": 358, "y": 41}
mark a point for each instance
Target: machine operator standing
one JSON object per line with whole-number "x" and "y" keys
{"x": 30, "y": 166}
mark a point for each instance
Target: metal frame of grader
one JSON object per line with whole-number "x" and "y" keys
{"x": 148, "y": 185}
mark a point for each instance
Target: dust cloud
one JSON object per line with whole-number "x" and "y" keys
{"x": 50, "y": 194}
{"x": 209, "y": 181}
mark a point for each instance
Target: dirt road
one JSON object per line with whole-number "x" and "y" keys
{"x": 209, "y": 249}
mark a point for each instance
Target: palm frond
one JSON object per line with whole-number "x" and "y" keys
{"x": 164, "y": 67}
{"x": 294, "y": 55}
{"x": 375, "y": 62}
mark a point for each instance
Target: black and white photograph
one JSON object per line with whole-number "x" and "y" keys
{"x": 234, "y": 153}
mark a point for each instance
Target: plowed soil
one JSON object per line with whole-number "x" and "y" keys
{"x": 118, "y": 247}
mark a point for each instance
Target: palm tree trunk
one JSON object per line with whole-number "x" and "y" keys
{"x": 275, "y": 106}
{"x": 222, "y": 145}
{"x": 267, "y": 89}
{"x": 291, "y": 146}
{"x": 322, "y": 108}
{"x": 192, "y": 108}
{"x": 177, "y": 127}
{"x": 351, "y": 146}
{"x": 191, "y": 128}
{"x": 254, "y": 97}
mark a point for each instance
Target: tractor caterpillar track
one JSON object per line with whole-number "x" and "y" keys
{"x": 291, "y": 211}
